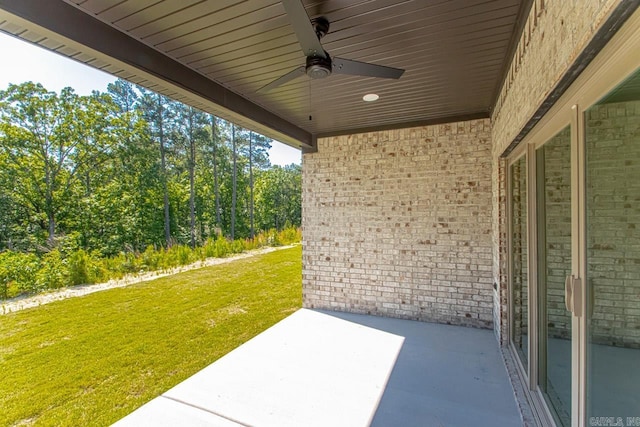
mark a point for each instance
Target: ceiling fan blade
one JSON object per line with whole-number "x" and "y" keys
{"x": 357, "y": 68}
{"x": 300, "y": 71}
{"x": 304, "y": 30}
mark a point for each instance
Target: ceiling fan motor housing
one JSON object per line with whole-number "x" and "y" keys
{"x": 318, "y": 67}
{"x": 319, "y": 64}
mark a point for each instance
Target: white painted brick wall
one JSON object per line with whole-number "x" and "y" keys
{"x": 398, "y": 223}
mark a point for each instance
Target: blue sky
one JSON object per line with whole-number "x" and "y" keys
{"x": 26, "y": 62}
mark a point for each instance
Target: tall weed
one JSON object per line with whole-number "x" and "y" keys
{"x": 53, "y": 272}
{"x": 22, "y": 273}
{"x": 85, "y": 268}
{"x": 18, "y": 273}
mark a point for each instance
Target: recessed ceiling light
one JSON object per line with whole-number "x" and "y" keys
{"x": 370, "y": 97}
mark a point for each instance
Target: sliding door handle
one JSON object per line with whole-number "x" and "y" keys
{"x": 568, "y": 293}
{"x": 573, "y": 295}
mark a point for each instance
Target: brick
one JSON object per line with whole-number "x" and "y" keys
{"x": 417, "y": 229}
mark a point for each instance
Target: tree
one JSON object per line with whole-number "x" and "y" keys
{"x": 121, "y": 170}
{"x": 214, "y": 152}
{"x": 131, "y": 199}
{"x": 154, "y": 110}
{"x": 190, "y": 125}
{"x": 278, "y": 197}
{"x": 258, "y": 153}
{"x": 48, "y": 141}
{"x": 209, "y": 177}
{"x": 16, "y": 232}
{"x": 251, "y": 219}
{"x": 125, "y": 96}
{"x": 234, "y": 183}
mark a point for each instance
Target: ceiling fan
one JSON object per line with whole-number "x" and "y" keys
{"x": 319, "y": 64}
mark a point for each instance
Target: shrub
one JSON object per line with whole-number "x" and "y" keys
{"x": 68, "y": 266}
{"x": 183, "y": 254}
{"x": 84, "y": 268}
{"x": 209, "y": 248}
{"x": 177, "y": 255}
{"x": 6, "y": 276}
{"x": 222, "y": 248}
{"x": 114, "y": 266}
{"x": 152, "y": 258}
{"x": 128, "y": 262}
{"x": 78, "y": 271}
{"x": 290, "y": 235}
{"x": 53, "y": 272}
{"x": 18, "y": 273}
{"x": 237, "y": 246}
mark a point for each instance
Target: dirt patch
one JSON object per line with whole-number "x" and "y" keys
{"x": 25, "y": 422}
{"x": 235, "y": 309}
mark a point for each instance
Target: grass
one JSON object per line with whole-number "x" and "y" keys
{"x": 92, "y": 360}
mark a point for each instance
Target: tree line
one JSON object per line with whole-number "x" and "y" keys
{"x": 127, "y": 169}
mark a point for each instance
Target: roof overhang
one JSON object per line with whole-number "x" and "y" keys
{"x": 109, "y": 49}
{"x": 214, "y": 55}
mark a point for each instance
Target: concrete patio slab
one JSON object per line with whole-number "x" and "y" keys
{"x": 337, "y": 369}
{"x": 444, "y": 376}
{"x": 310, "y": 369}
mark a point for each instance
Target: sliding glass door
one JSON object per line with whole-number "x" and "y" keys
{"x": 574, "y": 246}
{"x": 612, "y": 279}
{"x": 553, "y": 234}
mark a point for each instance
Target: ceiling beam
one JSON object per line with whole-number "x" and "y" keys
{"x": 72, "y": 23}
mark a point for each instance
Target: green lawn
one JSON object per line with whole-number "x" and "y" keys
{"x": 92, "y": 360}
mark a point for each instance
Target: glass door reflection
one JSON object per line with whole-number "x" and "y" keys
{"x": 553, "y": 199}
{"x": 612, "y": 205}
{"x": 519, "y": 261}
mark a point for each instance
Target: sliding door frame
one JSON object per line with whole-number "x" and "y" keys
{"x": 516, "y": 155}
{"x": 615, "y": 62}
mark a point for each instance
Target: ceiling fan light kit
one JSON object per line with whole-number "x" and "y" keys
{"x": 319, "y": 63}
